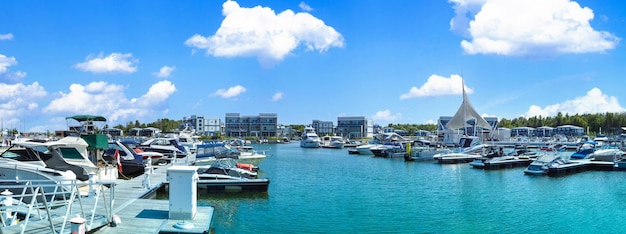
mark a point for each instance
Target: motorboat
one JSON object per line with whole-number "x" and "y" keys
{"x": 47, "y": 154}
{"x": 584, "y": 150}
{"x": 209, "y": 151}
{"x": 366, "y": 148}
{"x": 129, "y": 162}
{"x": 20, "y": 177}
{"x": 155, "y": 158}
{"x": 168, "y": 146}
{"x": 542, "y": 164}
{"x": 422, "y": 150}
{"x": 471, "y": 148}
{"x": 247, "y": 154}
{"x": 223, "y": 175}
{"x": 607, "y": 155}
{"x": 389, "y": 150}
{"x": 310, "y": 139}
{"x": 377, "y": 141}
{"x": 333, "y": 142}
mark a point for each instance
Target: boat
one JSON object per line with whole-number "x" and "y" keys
{"x": 45, "y": 154}
{"x": 389, "y": 150}
{"x": 54, "y": 183}
{"x": 607, "y": 155}
{"x": 155, "y": 158}
{"x": 333, "y": 142}
{"x": 309, "y": 138}
{"x": 470, "y": 148}
{"x": 423, "y": 150}
{"x": 556, "y": 163}
{"x": 168, "y": 146}
{"x": 129, "y": 162}
{"x": 584, "y": 150}
{"x": 209, "y": 151}
{"x": 365, "y": 149}
{"x": 247, "y": 154}
{"x": 223, "y": 175}
{"x": 351, "y": 143}
{"x": 495, "y": 158}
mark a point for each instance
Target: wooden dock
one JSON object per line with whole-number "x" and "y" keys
{"x": 132, "y": 211}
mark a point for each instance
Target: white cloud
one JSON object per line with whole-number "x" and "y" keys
{"x": 6, "y": 62}
{"x": 438, "y": 86}
{"x": 463, "y": 8}
{"x": 157, "y": 93}
{"x": 231, "y": 92}
{"x": 17, "y": 100}
{"x": 529, "y": 28}
{"x": 386, "y": 115}
{"x": 164, "y": 72}
{"x": 8, "y": 36}
{"x": 115, "y": 62}
{"x": 277, "y": 96}
{"x": 109, "y": 100}
{"x": 260, "y": 32}
{"x": 593, "y": 102}
{"x": 5, "y": 75}
{"x": 305, "y": 7}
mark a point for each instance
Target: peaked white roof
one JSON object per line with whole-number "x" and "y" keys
{"x": 465, "y": 113}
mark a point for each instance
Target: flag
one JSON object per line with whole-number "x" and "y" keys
{"x": 119, "y": 161}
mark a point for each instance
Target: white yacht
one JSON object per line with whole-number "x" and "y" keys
{"x": 309, "y": 138}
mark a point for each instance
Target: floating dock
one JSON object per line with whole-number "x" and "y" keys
{"x": 580, "y": 166}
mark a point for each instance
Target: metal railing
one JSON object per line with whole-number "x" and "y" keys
{"x": 31, "y": 202}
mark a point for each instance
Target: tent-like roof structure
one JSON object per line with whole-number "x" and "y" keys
{"x": 466, "y": 113}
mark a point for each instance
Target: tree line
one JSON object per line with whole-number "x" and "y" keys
{"x": 607, "y": 123}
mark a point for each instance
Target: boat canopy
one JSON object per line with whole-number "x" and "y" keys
{"x": 82, "y": 118}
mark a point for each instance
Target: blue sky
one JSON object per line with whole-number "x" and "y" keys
{"x": 392, "y": 61}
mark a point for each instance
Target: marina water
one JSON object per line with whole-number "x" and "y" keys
{"x": 331, "y": 191}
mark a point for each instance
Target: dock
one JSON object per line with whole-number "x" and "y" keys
{"x": 130, "y": 211}
{"x": 587, "y": 165}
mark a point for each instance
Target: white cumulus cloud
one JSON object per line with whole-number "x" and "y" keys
{"x": 17, "y": 100}
{"x": 528, "y": 28}
{"x": 164, "y": 72}
{"x": 6, "y": 62}
{"x": 5, "y": 75}
{"x": 593, "y": 102}
{"x": 438, "y": 86}
{"x": 114, "y": 63}
{"x": 230, "y": 92}
{"x": 277, "y": 96}
{"x": 101, "y": 98}
{"x": 260, "y": 32}
{"x": 386, "y": 115}
{"x": 8, "y": 36}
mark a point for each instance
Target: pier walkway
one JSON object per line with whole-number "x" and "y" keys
{"x": 130, "y": 211}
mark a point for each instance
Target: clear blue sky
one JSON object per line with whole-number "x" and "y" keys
{"x": 392, "y": 61}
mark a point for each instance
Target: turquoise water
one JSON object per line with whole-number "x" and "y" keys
{"x": 331, "y": 191}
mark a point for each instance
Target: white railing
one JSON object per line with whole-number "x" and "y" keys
{"x": 38, "y": 201}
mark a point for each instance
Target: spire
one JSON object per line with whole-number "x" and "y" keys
{"x": 465, "y": 113}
